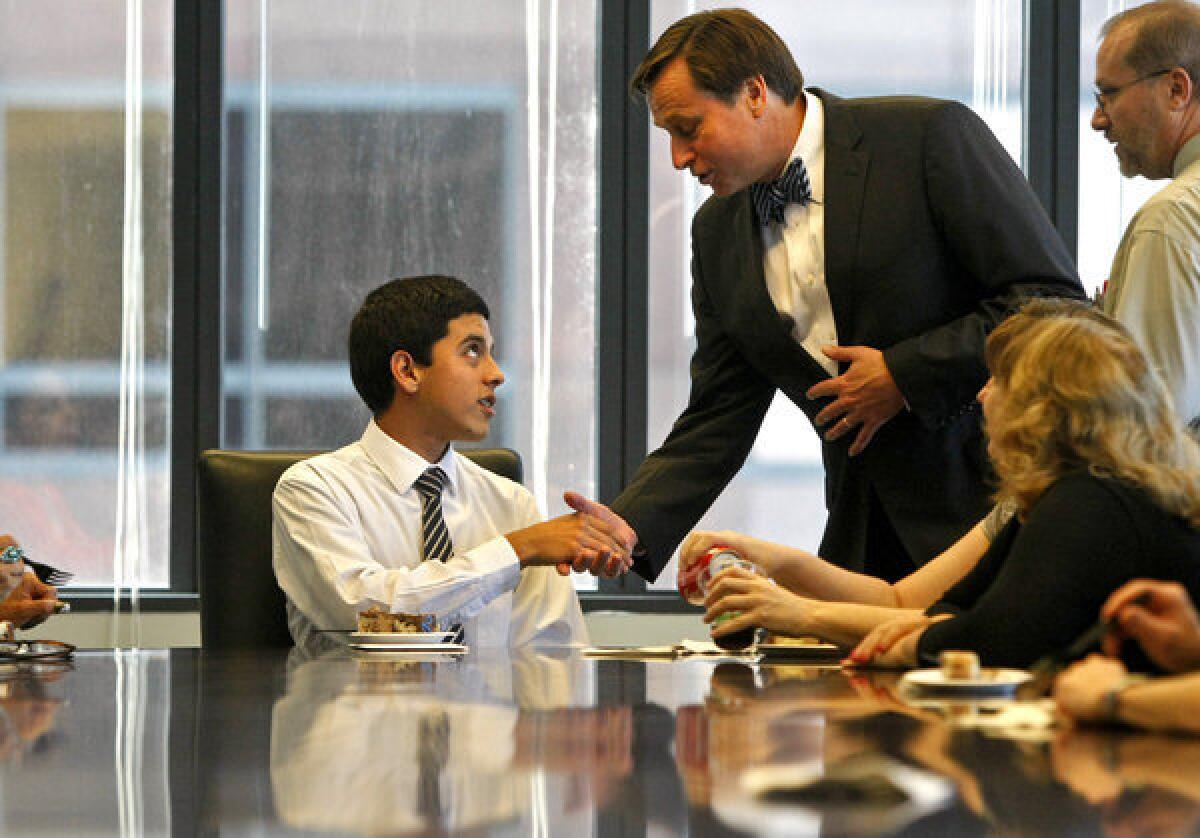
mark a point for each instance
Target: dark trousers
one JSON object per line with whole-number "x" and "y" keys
{"x": 864, "y": 540}
{"x": 886, "y": 556}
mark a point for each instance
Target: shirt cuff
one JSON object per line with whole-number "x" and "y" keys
{"x": 499, "y": 567}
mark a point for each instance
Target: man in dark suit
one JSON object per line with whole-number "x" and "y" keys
{"x": 861, "y": 281}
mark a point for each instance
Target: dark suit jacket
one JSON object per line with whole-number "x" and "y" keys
{"x": 932, "y": 236}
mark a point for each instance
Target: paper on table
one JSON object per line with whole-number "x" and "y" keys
{"x": 684, "y": 649}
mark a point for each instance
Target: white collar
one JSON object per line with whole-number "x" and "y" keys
{"x": 810, "y": 145}
{"x": 401, "y": 464}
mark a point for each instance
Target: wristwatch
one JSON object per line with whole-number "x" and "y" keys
{"x": 12, "y": 554}
{"x": 1110, "y": 702}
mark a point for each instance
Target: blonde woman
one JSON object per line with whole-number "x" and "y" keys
{"x": 814, "y": 596}
{"x": 1104, "y": 480}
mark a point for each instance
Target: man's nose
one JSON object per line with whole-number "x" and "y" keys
{"x": 681, "y": 154}
{"x": 1100, "y": 119}
{"x": 495, "y": 374}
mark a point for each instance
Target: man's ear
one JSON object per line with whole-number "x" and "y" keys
{"x": 1182, "y": 88}
{"x": 405, "y": 372}
{"x": 756, "y": 91}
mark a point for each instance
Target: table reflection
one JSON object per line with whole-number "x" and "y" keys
{"x": 28, "y": 711}
{"x": 1142, "y": 784}
{"x": 1012, "y": 767}
{"x": 402, "y": 745}
{"x": 766, "y": 739}
{"x": 549, "y": 742}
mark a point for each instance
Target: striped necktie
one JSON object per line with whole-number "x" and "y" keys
{"x": 435, "y": 537}
{"x": 791, "y": 187}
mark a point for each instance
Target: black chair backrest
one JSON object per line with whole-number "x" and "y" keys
{"x": 241, "y": 605}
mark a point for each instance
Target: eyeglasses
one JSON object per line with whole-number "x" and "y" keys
{"x": 1105, "y": 95}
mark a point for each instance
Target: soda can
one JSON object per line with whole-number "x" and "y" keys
{"x": 693, "y": 586}
{"x": 695, "y": 583}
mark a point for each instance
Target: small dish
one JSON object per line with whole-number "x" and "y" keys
{"x": 28, "y": 650}
{"x": 405, "y": 638}
{"x": 411, "y": 648}
{"x": 991, "y": 682}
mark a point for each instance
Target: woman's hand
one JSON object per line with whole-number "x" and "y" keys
{"x": 762, "y": 553}
{"x": 30, "y": 603}
{"x": 760, "y": 603}
{"x": 1079, "y": 691}
{"x": 893, "y": 643}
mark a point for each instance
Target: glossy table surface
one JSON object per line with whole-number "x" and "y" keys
{"x": 547, "y": 742}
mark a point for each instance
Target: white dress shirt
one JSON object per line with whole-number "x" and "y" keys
{"x": 794, "y": 251}
{"x": 1154, "y": 288}
{"x": 347, "y": 536}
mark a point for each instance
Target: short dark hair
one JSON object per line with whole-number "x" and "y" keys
{"x": 412, "y": 314}
{"x": 723, "y": 48}
{"x": 1166, "y": 34}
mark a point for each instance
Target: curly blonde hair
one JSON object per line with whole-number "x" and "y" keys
{"x": 1077, "y": 393}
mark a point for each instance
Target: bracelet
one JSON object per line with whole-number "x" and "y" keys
{"x": 11, "y": 555}
{"x": 1110, "y": 702}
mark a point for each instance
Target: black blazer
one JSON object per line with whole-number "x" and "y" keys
{"x": 932, "y": 236}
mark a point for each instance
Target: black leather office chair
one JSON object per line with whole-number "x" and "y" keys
{"x": 241, "y": 606}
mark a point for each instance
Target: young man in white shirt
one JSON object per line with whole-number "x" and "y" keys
{"x": 400, "y": 521}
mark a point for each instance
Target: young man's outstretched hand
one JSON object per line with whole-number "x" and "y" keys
{"x": 593, "y": 538}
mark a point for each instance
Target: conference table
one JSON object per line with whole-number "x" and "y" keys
{"x": 330, "y": 741}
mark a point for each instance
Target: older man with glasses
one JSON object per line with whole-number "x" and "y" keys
{"x": 1147, "y": 106}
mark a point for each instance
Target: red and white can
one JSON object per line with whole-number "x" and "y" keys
{"x": 693, "y": 585}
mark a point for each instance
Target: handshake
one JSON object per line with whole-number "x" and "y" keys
{"x": 593, "y": 538}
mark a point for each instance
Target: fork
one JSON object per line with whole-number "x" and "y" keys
{"x": 49, "y": 574}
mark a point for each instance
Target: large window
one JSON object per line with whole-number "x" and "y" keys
{"x": 971, "y": 52}
{"x": 368, "y": 139}
{"x": 371, "y": 139}
{"x": 85, "y": 156}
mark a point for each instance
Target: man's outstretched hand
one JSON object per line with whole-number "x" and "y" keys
{"x": 621, "y": 531}
{"x": 592, "y": 539}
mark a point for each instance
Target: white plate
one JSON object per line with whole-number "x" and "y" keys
{"x": 407, "y": 638}
{"x": 989, "y": 682}
{"x": 411, "y": 648}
